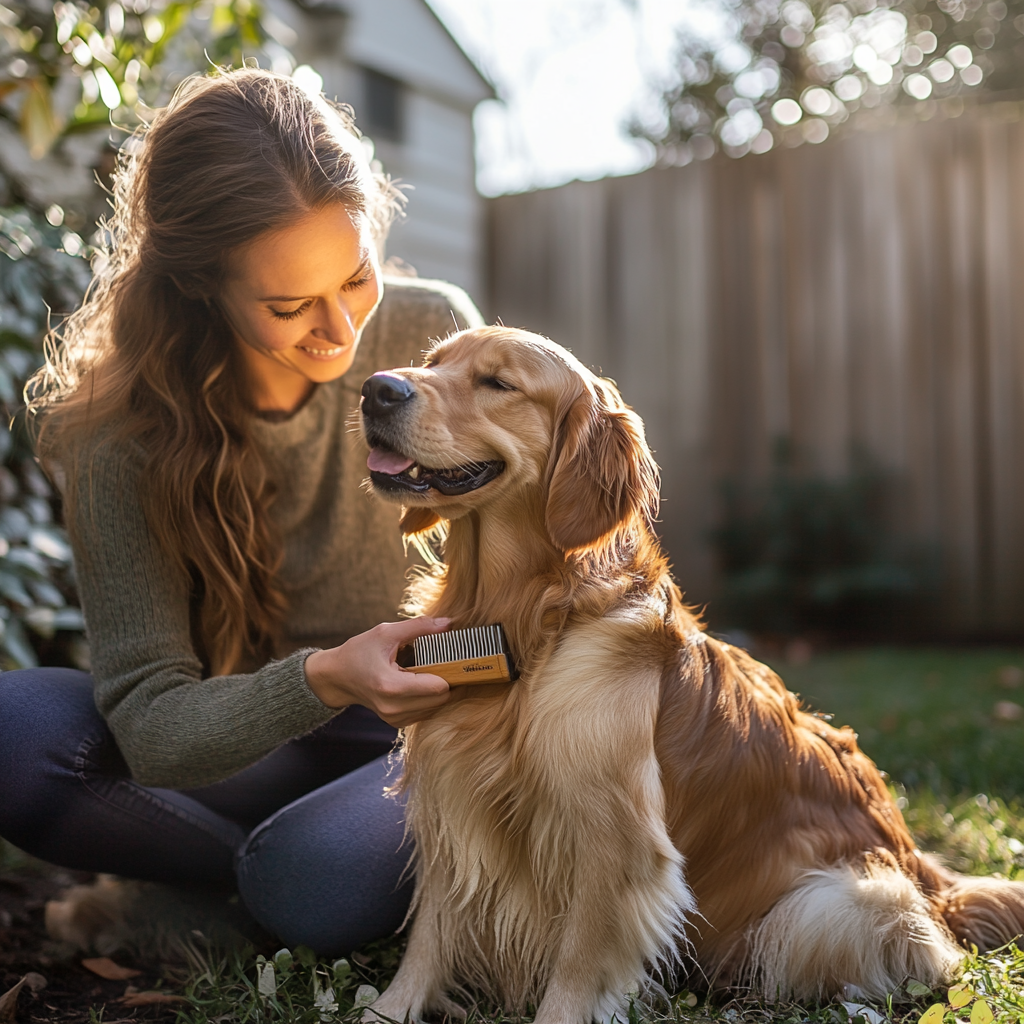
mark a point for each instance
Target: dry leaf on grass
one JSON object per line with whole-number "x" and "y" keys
{"x": 149, "y": 998}
{"x": 106, "y": 968}
{"x": 9, "y": 1002}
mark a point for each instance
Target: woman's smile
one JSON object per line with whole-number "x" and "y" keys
{"x": 323, "y": 353}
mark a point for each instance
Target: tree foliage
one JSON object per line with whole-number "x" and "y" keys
{"x": 797, "y": 70}
{"x": 75, "y": 79}
{"x": 75, "y": 65}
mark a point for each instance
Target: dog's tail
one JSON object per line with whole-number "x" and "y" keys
{"x": 983, "y": 912}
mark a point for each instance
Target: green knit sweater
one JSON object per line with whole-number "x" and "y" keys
{"x": 343, "y": 572}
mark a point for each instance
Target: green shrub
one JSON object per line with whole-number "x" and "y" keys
{"x": 801, "y": 552}
{"x": 39, "y": 278}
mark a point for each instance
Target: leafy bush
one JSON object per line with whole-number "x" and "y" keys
{"x": 802, "y": 552}
{"x": 38, "y": 277}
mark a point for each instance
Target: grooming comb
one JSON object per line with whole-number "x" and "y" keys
{"x": 479, "y": 654}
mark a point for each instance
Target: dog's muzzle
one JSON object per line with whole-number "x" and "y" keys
{"x": 385, "y": 397}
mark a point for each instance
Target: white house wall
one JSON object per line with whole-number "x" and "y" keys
{"x": 403, "y": 38}
{"x": 442, "y": 233}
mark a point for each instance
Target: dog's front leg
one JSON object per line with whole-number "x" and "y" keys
{"x": 601, "y": 808}
{"x": 627, "y": 913}
{"x": 421, "y": 979}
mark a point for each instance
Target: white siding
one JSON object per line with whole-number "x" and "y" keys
{"x": 405, "y": 39}
{"x": 442, "y": 234}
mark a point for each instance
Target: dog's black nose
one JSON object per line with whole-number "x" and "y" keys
{"x": 383, "y": 394}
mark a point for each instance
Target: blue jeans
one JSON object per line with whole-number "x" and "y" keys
{"x": 306, "y": 835}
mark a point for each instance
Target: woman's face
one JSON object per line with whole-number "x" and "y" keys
{"x": 298, "y": 299}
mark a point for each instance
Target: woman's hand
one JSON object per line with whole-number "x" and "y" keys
{"x": 363, "y": 671}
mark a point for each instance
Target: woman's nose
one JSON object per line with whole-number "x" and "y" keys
{"x": 338, "y": 326}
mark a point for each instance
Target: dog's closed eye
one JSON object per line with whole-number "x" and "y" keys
{"x": 496, "y": 384}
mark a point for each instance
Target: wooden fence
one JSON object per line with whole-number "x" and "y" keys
{"x": 865, "y": 294}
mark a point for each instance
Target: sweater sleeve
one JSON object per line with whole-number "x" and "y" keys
{"x": 174, "y": 728}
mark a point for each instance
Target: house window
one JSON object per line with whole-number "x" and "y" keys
{"x": 381, "y": 116}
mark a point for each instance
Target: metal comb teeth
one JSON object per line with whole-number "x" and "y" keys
{"x": 459, "y": 645}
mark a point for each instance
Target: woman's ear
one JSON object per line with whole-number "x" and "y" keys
{"x": 416, "y": 519}
{"x": 603, "y": 474}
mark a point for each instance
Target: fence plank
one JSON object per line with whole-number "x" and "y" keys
{"x": 862, "y": 296}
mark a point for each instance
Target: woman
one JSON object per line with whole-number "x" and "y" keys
{"x": 233, "y": 574}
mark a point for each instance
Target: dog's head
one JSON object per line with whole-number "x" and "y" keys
{"x": 495, "y": 414}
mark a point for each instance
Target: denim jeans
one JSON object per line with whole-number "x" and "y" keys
{"x": 306, "y": 835}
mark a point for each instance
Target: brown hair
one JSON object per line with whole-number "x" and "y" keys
{"x": 149, "y": 358}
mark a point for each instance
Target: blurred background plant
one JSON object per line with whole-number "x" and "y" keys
{"x": 796, "y": 71}
{"x": 75, "y": 80}
{"x": 804, "y": 553}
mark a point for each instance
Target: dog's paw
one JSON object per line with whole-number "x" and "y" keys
{"x": 384, "y": 1012}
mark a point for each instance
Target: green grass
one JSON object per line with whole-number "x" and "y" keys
{"x": 925, "y": 716}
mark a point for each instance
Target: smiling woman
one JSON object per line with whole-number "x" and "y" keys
{"x": 235, "y": 577}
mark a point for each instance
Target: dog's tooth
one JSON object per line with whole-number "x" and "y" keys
{"x": 415, "y": 472}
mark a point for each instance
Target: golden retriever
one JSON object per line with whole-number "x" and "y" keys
{"x": 645, "y": 796}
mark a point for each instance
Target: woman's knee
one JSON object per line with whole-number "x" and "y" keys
{"x": 47, "y": 718}
{"x": 329, "y": 871}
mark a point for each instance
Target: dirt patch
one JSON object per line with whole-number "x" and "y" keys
{"x": 71, "y": 991}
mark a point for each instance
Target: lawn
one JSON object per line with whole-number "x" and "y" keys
{"x": 946, "y": 725}
{"x": 950, "y": 721}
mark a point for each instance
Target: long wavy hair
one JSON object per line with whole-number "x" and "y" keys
{"x": 149, "y": 360}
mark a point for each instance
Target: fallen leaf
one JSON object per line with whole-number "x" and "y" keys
{"x": 981, "y": 1013}
{"x": 106, "y": 968}
{"x": 933, "y": 1015}
{"x": 150, "y": 998}
{"x": 960, "y": 995}
{"x": 867, "y": 1013}
{"x": 9, "y": 1002}
{"x": 917, "y": 989}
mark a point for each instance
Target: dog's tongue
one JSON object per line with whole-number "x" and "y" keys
{"x": 383, "y": 461}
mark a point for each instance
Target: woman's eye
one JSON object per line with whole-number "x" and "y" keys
{"x": 290, "y": 314}
{"x": 364, "y": 278}
{"x": 496, "y": 384}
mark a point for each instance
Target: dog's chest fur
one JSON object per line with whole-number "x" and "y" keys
{"x": 517, "y": 799}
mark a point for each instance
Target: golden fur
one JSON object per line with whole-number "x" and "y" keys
{"x": 644, "y": 796}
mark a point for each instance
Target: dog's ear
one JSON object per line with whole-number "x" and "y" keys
{"x": 602, "y": 474}
{"x": 416, "y": 519}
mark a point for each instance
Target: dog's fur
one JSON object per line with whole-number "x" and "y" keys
{"x": 644, "y": 796}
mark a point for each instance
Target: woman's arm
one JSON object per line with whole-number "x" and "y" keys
{"x": 174, "y": 728}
